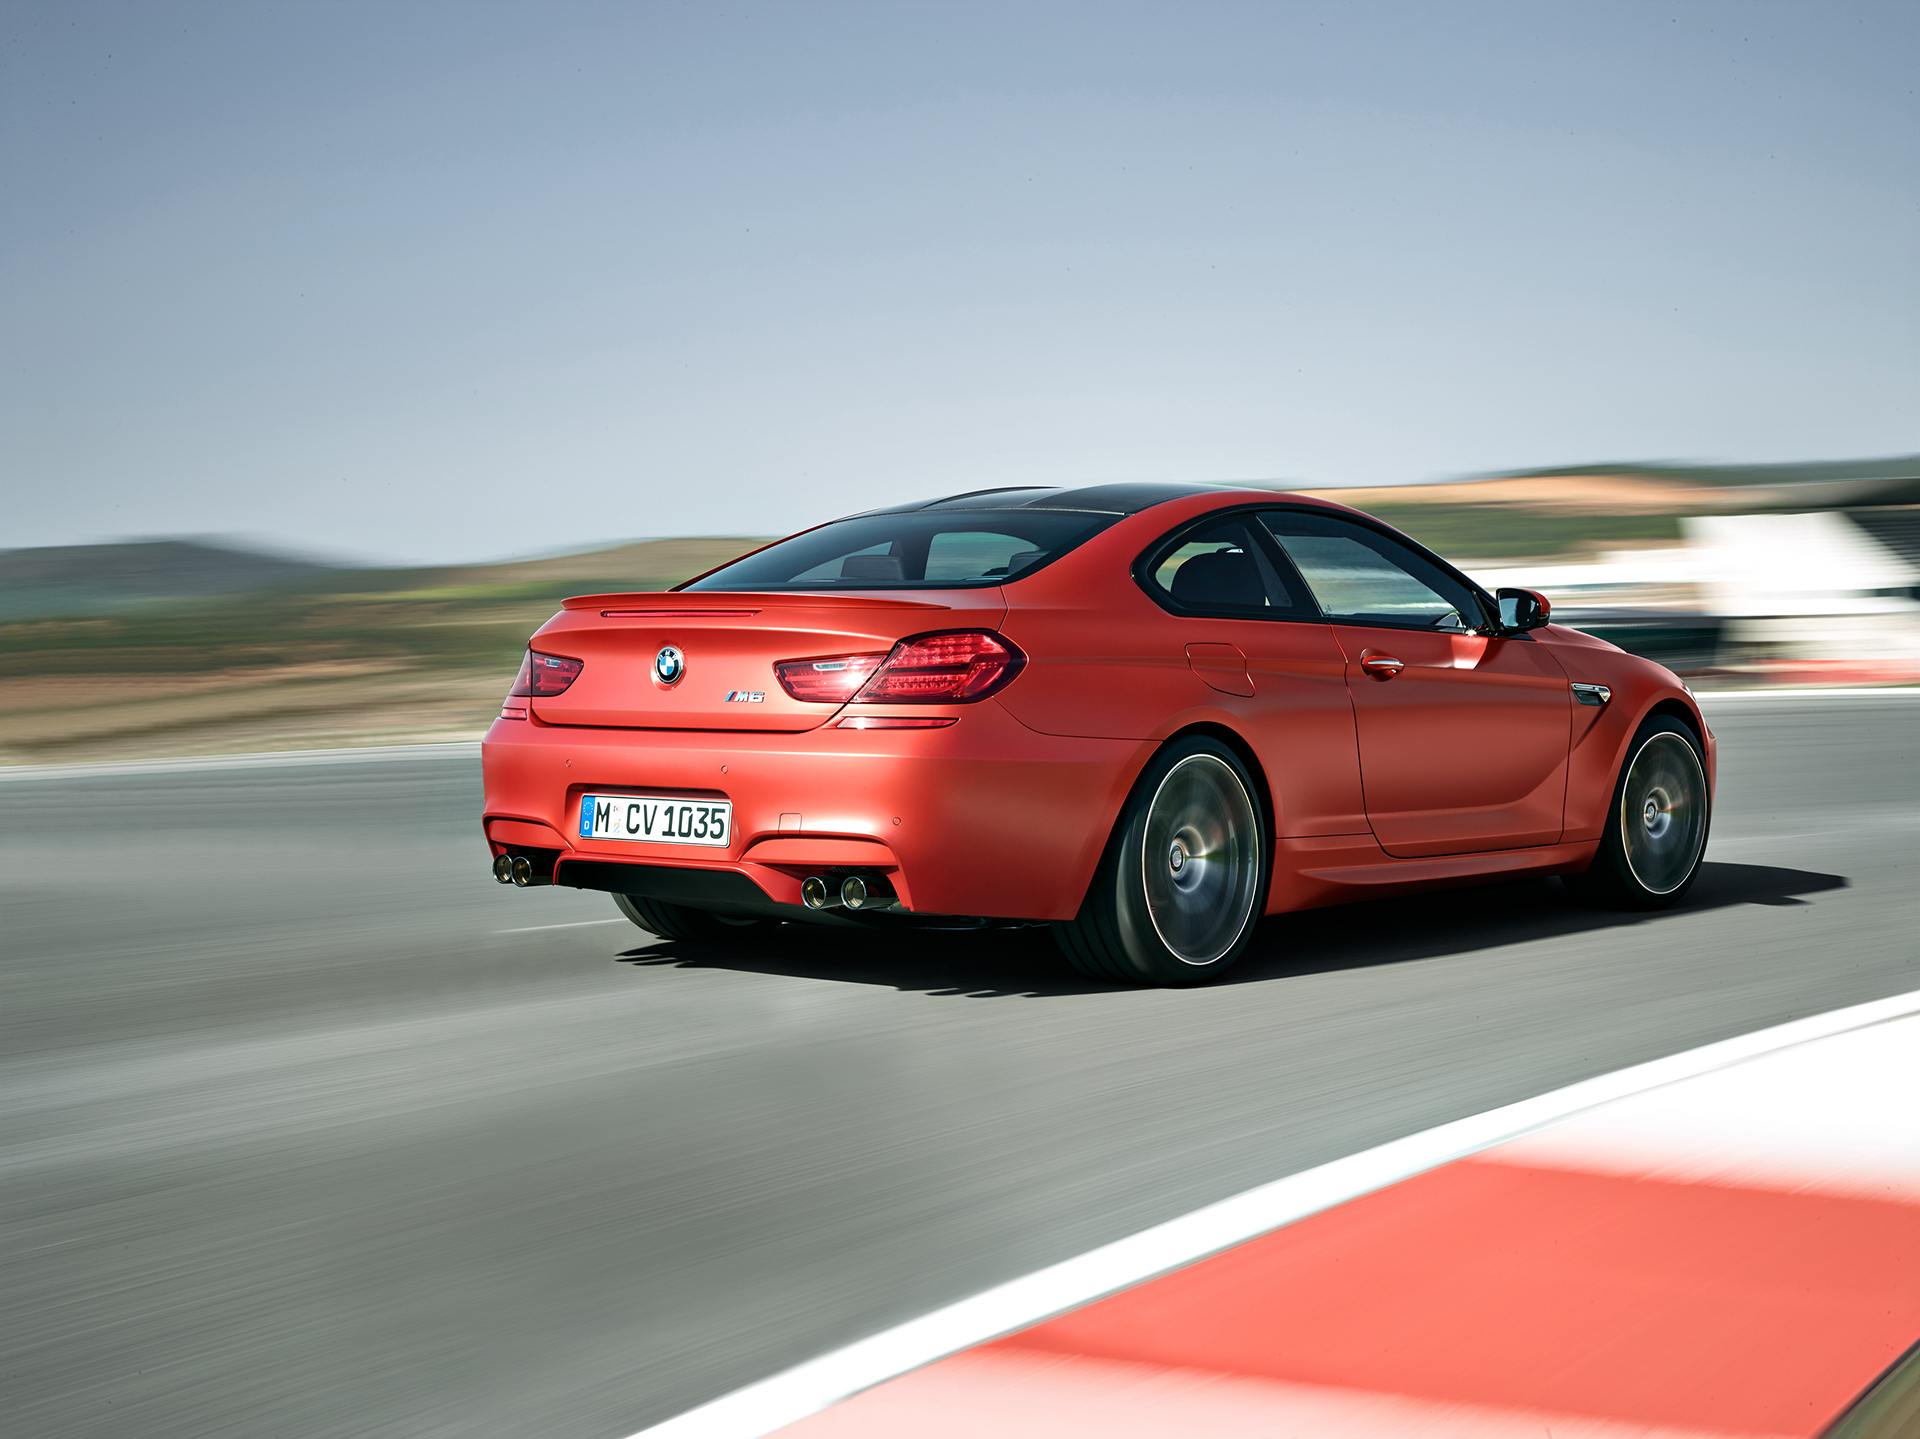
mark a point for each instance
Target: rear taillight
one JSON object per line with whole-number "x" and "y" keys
{"x": 834, "y": 680}
{"x": 543, "y": 676}
{"x": 955, "y": 668}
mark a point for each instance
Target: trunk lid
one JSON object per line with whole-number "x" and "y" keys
{"x": 728, "y": 646}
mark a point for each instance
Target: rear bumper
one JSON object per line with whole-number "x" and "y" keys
{"x": 985, "y": 817}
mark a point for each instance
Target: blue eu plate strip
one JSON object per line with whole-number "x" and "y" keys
{"x": 586, "y": 816}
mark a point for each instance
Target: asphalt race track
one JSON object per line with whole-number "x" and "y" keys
{"x": 309, "y": 1128}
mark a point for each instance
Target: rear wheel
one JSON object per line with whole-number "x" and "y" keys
{"x": 1185, "y": 875}
{"x": 1657, "y": 824}
{"x": 698, "y": 926}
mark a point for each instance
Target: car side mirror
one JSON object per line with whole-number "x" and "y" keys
{"x": 1522, "y": 610}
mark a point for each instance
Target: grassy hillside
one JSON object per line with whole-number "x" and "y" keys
{"x": 326, "y": 656}
{"x": 1498, "y": 532}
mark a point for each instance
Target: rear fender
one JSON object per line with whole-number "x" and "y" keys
{"x": 1094, "y": 852}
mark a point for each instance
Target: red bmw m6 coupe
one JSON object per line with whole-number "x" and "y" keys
{"x": 1145, "y": 714}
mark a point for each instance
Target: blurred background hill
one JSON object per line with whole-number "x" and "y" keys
{"x": 161, "y": 647}
{"x": 1732, "y": 575}
{"x": 82, "y": 579}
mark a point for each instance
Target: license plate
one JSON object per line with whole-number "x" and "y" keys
{"x": 656, "y": 819}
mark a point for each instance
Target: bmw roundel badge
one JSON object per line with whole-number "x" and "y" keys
{"x": 669, "y": 665}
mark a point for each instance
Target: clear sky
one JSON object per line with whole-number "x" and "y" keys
{"x": 439, "y": 281}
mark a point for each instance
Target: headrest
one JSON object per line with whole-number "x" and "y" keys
{"x": 872, "y": 567}
{"x": 1224, "y": 577}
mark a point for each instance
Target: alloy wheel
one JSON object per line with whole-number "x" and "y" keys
{"x": 1663, "y": 813}
{"x": 1200, "y": 859}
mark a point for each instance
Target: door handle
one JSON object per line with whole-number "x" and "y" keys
{"x": 1381, "y": 667}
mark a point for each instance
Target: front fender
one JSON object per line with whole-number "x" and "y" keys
{"x": 1640, "y": 688}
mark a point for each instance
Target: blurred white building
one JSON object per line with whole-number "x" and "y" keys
{"x": 1806, "y": 587}
{"x": 1797, "y": 596}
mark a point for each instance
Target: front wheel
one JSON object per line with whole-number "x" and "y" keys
{"x": 1657, "y": 825}
{"x": 1185, "y": 875}
{"x": 697, "y": 926}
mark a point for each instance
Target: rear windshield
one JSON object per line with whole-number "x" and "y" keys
{"x": 923, "y": 549}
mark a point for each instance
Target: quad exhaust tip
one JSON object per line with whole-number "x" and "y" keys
{"x": 515, "y": 869}
{"x": 868, "y": 892}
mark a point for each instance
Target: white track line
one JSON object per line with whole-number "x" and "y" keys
{"x": 571, "y": 924}
{"x": 1894, "y": 692}
{"x": 269, "y": 759}
{"x": 820, "y": 1383}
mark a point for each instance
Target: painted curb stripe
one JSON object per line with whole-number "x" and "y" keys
{"x": 1691, "y": 1307}
{"x": 808, "y": 1388}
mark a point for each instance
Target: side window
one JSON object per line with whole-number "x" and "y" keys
{"x": 1361, "y": 576}
{"x": 1221, "y": 568}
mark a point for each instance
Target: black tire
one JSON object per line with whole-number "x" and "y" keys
{"x": 1184, "y": 878}
{"x": 1657, "y": 823}
{"x": 695, "y": 926}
